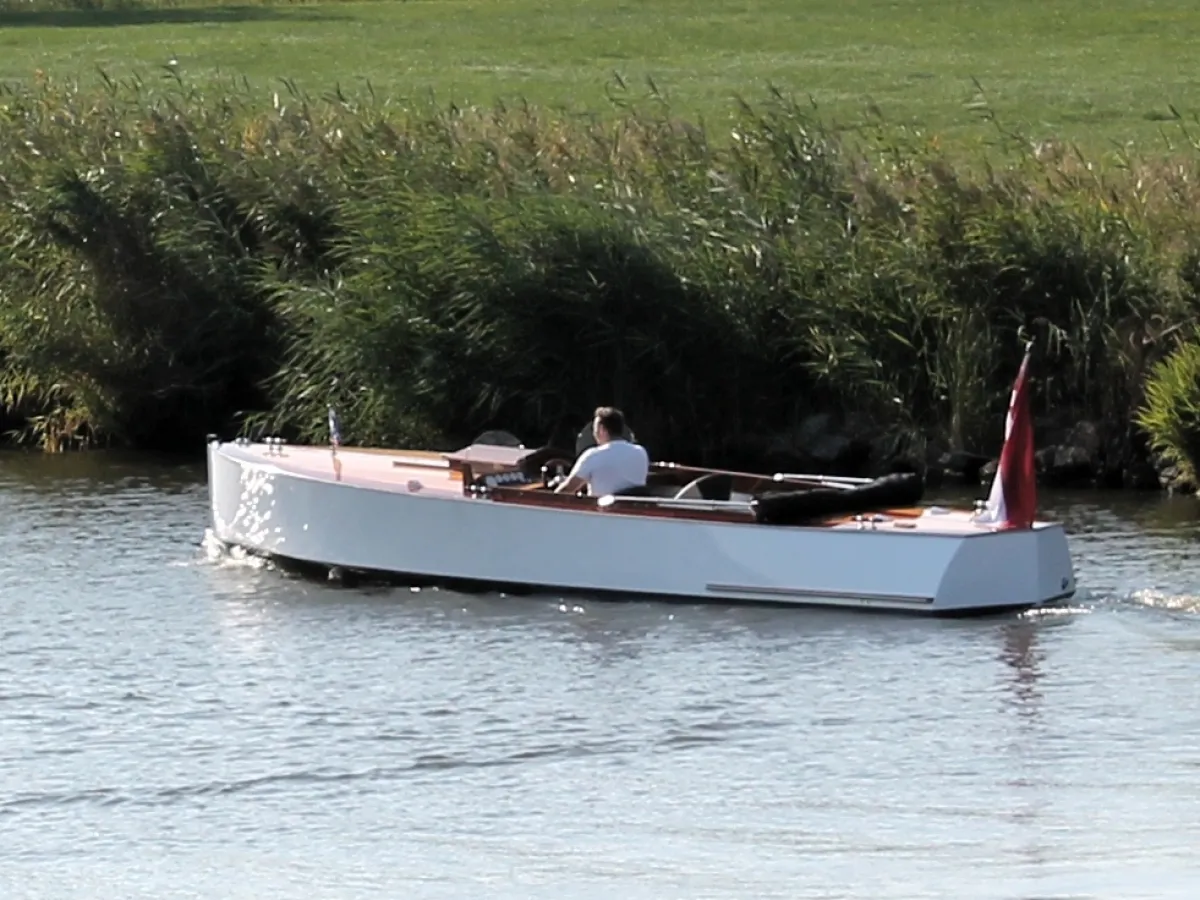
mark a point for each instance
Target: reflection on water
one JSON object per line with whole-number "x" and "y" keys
{"x": 177, "y": 724}
{"x": 1021, "y": 653}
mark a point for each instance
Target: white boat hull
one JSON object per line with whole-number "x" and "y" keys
{"x": 359, "y": 511}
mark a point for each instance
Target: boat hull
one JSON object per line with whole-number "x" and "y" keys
{"x": 349, "y": 511}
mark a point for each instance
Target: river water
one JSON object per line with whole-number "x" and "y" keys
{"x": 177, "y": 726}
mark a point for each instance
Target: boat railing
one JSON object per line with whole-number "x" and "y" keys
{"x": 797, "y": 478}
{"x": 842, "y": 481}
{"x": 609, "y": 500}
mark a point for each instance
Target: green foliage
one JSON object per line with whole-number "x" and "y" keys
{"x": 131, "y": 308}
{"x": 1171, "y": 412}
{"x": 188, "y": 260}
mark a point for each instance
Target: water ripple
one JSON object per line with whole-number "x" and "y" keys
{"x": 179, "y": 723}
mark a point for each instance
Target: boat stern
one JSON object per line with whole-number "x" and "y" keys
{"x": 1008, "y": 569}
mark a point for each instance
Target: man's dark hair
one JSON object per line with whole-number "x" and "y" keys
{"x": 612, "y": 419}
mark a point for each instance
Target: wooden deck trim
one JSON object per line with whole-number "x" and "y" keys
{"x": 642, "y": 509}
{"x": 413, "y": 462}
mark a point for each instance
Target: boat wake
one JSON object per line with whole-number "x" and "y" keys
{"x": 218, "y": 552}
{"x": 1168, "y": 619}
{"x": 1055, "y": 612}
{"x": 1175, "y": 603}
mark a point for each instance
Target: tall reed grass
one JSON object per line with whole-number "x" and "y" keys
{"x": 183, "y": 259}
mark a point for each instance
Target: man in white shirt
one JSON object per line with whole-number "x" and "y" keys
{"x": 615, "y": 464}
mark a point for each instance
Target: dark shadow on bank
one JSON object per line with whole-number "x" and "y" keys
{"x": 11, "y": 16}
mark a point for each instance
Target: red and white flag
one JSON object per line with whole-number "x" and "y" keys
{"x": 1012, "y": 502}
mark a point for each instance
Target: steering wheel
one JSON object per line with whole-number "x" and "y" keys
{"x": 555, "y": 468}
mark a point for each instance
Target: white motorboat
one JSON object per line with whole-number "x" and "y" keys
{"x": 484, "y": 515}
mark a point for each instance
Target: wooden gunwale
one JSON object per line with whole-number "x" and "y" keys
{"x": 645, "y": 508}
{"x": 550, "y": 500}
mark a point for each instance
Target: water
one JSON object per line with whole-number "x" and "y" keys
{"x": 173, "y": 726}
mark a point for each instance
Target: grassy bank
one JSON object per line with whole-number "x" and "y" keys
{"x": 190, "y": 255}
{"x": 1093, "y": 72}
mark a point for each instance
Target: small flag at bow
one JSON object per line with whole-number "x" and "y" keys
{"x": 1012, "y": 502}
{"x": 335, "y": 431}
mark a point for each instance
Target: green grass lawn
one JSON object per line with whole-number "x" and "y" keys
{"x": 1091, "y": 71}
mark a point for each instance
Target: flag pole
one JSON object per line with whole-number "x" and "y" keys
{"x": 335, "y": 431}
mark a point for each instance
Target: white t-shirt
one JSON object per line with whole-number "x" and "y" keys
{"x": 612, "y": 467}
